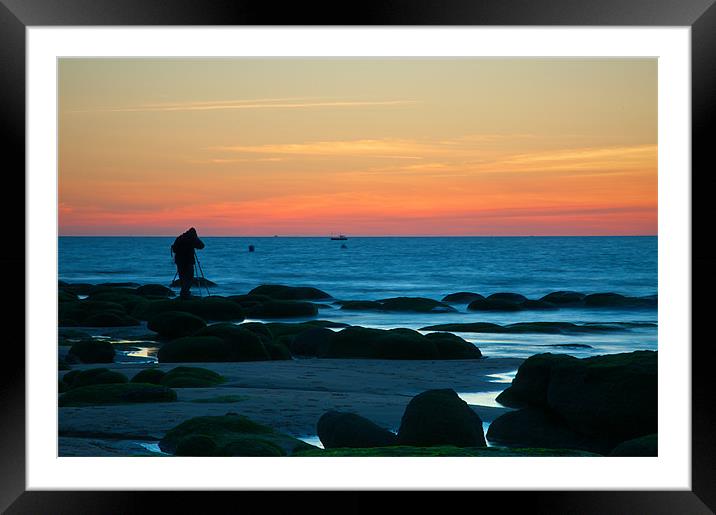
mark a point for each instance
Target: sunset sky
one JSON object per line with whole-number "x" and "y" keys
{"x": 358, "y": 146}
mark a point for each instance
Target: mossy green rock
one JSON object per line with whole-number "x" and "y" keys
{"x": 440, "y": 417}
{"x": 564, "y": 298}
{"x": 451, "y": 346}
{"x": 175, "y": 324}
{"x": 498, "y": 304}
{"x": 529, "y": 387}
{"x": 207, "y": 308}
{"x": 66, "y": 296}
{"x": 415, "y": 304}
{"x": 278, "y": 350}
{"x": 643, "y": 446}
{"x": 196, "y": 445}
{"x": 150, "y": 375}
{"x": 92, "y": 376}
{"x": 281, "y": 292}
{"x": 341, "y": 429}
{"x": 283, "y": 309}
{"x": 233, "y": 435}
{"x": 310, "y": 342}
{"x": 109, "y": 319}
{"x": 194, "y": 349}
{"x": 191, "y": 377}
{"x": 116, "y": 394}
{"x": 259, "y": 329}
{"x": 154, "y": 290}
{"x": 92, "y": 351}
{"x": 360, "y": 342}
{"x": 242, "y": 344}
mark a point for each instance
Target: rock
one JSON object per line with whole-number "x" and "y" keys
{"x": 361, "y": 305}
{"x": 93, "y": 351}
{"x": 124, "y": 297}
{"x": 359, "y": 342}
{"x": 191, "y": 377}
{"x": 66, "y": 296}
{"x": 150, "y": 375}
{"x": 533, "y": 427}
{"x": 233, "y": 435}
{"x": 200, "y": 282}
{"x": 462, "y": 297}
{"x": 242, "y": 344}
{"x": 208, "y": 308}
{"x": 109, "y": 319}
{"x": 508, "y": 297}
{"x": 259, "y": 329}
{"x": 195, "y": 349}
{"x": 474, "y": 327}
{"x": 450, "y": 346}
{"x": 601, "y": 300}
{"x": 537, "y": 304}
{"x": 281, "y": 292}
{"x": 116, "y": 394}
{"x": 154, "y": 290}
{"x": 493, "y": 305}
{"x": 529, "y": 387}
{"x": 647, "y": 445}
{"x": 79, "y": 378}
{"x": 196, "y": 445}
{"x": 440, "y": 417}
{"x": 338, "y": 429}
{"x": 278, "y": 350}
{"x": 283, "y": 309}
{"x": 612, "y": 396}
{"x": 564, "y": 298}
{"x": 175, "y": 324}
{"x": 311, "y": 342}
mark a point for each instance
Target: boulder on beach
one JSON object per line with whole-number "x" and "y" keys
{"x": 360, "y": 305}
{"x": 149, "y": 375}
{"x": 175, "y": 324}
{"x": 507, "y": 297}
{"x": 125, "y": 297}
{"x": 533, "y": 427}
{"x": 191, "y": 377}
{"x": 615, "y": 300}
{"x": 564, "y": 298}
{"x": 462, "y": 297}
{"x": 529, "y": 387}
{"x": 283, "y": 309}
{"x": 440, "y": 417}
{"x": 642, "y": 446}
{"x": 232, "y": 435}
{"x": 340, "y": 429}
{"x": 109, "y": 320}
{"x": 66, "y": 296}
{"x": 92, "y": 376}
{"x": 278, "y": 350}
{"x": 261, "y": 330}
{"x": 116, "y": 394}
{"x": 494, "y": 304}
{"x": 154, "y": 290}
{"x": 282, "y": 292}
{"x": 92, "y": 351}
{"x": 451, "y": 346}
{"x": 208, "y": 308}
{"x": 194, "y": 349}
{"x": 310, "y": 342}
{"x": 200, "y": 282}
{"x": 361, "y": 342}
{"x": 398, "y": 304}
{"x": 241, "y": 344}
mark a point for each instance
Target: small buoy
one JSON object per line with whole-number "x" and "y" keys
{"x": 251, "y": 248}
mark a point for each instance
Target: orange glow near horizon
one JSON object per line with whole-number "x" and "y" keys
{"x": 358, "y": 146}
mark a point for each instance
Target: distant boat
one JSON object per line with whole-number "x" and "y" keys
{"x": 339, "y": 237}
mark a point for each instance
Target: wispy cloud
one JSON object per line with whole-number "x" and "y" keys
{"x": 265, "y": 103}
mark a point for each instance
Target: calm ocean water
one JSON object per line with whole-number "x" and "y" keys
{"x": 376, "y": 268}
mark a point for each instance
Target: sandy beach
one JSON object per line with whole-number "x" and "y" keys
{"x": 289, "y": 396}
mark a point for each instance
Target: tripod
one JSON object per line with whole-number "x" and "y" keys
{"x": 206, "y": 284}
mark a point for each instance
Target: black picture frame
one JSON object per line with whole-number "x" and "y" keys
{"x": 699, "y": 15}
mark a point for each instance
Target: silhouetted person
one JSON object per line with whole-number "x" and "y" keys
{"x": 183, "y": 249}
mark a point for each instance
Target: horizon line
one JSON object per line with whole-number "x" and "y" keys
{"x": 364, "y": 235}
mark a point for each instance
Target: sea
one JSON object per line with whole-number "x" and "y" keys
{"x": 372, "y": 268}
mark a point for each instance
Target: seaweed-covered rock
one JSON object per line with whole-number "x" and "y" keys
{"x": 494, "y": 304}
{"x": 609, "y": 300}
{"x": 259, "y": 329}
{"x": 311, "y": 341}
{"x": 529, "y": 387}
{"x": 174, "y": 324}
{"x": 352, "y": 342}
{"x": 207, "y": 308}
{"x": 283, "y": 309}
{"x": 92, "y": 351}
{"x": 233, "y": 435}
{"x": 278, "y": 350}
{"x": 281, "y": 292}
{"x": 359, "y": 342}
{"x": 92, "y": 376}
{"x": 440, "y": 417}
{"x": 198, "y": 282}
{"x": 534, "y": 427}
{"x": 125, "y": 297}
{"x": 462, "y": 297}
{"x": 416, "y": 304}
{"x": 66, "y": 296}
{"x": 451, "y": 346}
{"x": 564, "y": 298}
{"x": 154, "y": 290}
{"x": 109, "y": 319}
{"x": 196, "y": 445}
{"x": 642, "y": 446}
{"x": 361, "y": 305}
{"x": 195, "y": 349}
{"x": 242, "y": 344}
{"x": 116, "y": 394}
{"x": 340, "y": 429}
{"x": 149, "y": 375}
{"x": 191, "y": 377}
{"x": 473, "y": 327}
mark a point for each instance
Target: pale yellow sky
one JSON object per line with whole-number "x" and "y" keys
{"x": 365, "y": 146}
